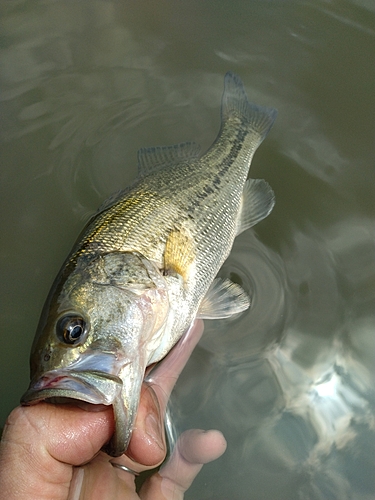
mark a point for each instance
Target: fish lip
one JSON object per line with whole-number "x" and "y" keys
{"x": 88, "y": 386}
{"x": 95, "y": 387}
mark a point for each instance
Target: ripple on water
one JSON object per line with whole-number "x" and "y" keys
{"x": 323, "y": 374}
{"x": 261, "y": 273}
{"x": 290, "y": 382}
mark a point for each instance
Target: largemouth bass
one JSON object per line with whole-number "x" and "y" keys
{"x": 145, "y": 267}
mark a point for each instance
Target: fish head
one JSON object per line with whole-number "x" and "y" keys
{"x": 99, "y": 328}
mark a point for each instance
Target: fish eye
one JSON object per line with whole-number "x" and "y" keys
{"x": 71, "y": 329}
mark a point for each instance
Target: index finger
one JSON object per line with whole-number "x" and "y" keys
{"x": 164, "y": 375}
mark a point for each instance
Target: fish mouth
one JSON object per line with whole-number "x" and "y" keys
{"x": 89, "y": 386}
{"x": 94, "y": 387}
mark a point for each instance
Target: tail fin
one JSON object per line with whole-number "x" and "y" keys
{"x": 235, "y": 102}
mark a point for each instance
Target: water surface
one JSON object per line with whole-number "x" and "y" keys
{"x": 85, "y": 84}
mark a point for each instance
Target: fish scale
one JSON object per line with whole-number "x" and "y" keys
{"x": 145, "y": 266}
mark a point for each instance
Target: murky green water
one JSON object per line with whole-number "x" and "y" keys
{"x": 85, "y": 84}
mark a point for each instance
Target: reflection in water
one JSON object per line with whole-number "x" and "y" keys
{"x": 261, "y": 272}
{"x": 300, "y": 403}
{"x": 85, "y": 84}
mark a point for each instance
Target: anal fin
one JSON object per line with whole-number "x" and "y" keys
{"x": 223, "y": 299}
{"x": 258, "y": 200}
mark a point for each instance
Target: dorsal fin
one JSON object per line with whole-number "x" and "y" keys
{"x": 112, "y": 199}
{"x": 150, "y": 159}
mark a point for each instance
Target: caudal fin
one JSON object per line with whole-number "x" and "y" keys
{"x": 235, "y": 102}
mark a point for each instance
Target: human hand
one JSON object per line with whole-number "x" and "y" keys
{"x": 52, "y": 451}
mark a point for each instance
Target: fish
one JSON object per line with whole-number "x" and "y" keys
{"x": 146, "y": 264}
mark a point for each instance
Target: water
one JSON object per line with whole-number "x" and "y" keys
{"x": 85, "y": 84}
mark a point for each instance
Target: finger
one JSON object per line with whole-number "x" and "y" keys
{"x": 194, "y": 448}
{"x": 99, "y": 480}
{"x": 74, "y": 435}
{"x": 147, "y": 445}
{"x": 42, "y": 441}
{"x": 165, "y": 375}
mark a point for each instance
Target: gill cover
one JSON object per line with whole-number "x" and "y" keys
{"x": 108, "y": 320}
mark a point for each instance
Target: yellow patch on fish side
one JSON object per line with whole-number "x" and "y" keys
{"x": 179, "y": 253}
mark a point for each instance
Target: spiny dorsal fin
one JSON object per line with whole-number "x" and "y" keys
{"x": 114, "y": 198}
{"x": 223, "y": 299}
{"x": 153, "y": 158}
{"x": 258, "y": 200}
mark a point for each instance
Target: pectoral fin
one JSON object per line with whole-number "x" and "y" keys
{"x": 258, "y": 200}
{"x": 223, "y": 299}
{"x": 179, "y": 253}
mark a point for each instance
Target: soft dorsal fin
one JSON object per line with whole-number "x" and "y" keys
{"x": 153, "y": 158}
{"x": 223, "y": 299}
{"x": 258, "y": 200}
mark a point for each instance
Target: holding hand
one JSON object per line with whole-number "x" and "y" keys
{"x": 53, "y": 451}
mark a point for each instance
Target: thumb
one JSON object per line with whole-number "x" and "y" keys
{"x": 44, "y": 441}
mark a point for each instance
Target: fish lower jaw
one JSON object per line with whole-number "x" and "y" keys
{"x": 97, "y": 389}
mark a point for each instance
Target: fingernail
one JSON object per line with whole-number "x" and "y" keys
{"x": 76, "y": 483}
{"x": 153, "y": 429}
